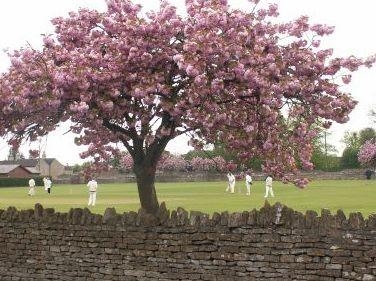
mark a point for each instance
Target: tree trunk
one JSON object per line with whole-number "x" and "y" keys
{"x": 145, "y": 176}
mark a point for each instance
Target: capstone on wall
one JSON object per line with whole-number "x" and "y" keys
{"x": 274, "y": 243}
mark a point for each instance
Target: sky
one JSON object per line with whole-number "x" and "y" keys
{"x": 23, "y": 21}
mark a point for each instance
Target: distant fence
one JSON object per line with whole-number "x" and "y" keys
{"x": 209, "y": 176}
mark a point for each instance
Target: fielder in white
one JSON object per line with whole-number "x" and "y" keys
{"x": 231, "y": 183}
{"x": 248, "y": 182}
{"x": 48, "y": 185}
{"x": 45, "y": 183}
{"x": 269, "y": 186}
{"x": 93, "y": 186}
{"x": 31, "y": 187}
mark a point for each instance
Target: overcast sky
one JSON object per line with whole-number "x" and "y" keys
{"x": 23, "y": 21}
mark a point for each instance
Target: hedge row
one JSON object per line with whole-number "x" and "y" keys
{"x": 10, "y": 182}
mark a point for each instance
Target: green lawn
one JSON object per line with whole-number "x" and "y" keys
{"x": 208, "y": 197}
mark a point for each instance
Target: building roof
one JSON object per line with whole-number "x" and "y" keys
{"x": 49, "y": 160}
{"x": 27, "y": 162}
{"x": 22, "y": 162}
{"x": 6, "y": 169}
{"x": 32, "y": 170}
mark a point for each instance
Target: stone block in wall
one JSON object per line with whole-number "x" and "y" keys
{"x": 62, "y": 218}
{"x": 356, "y": 220}
{"x": 287, "y": 216}
{"x": 237, "y": 219}
{"x": 50, "y": 216}
{"x": 129, "y": 218}
{"x": 26, "y": 215}
{"x": 10, "y": 214}
{"x": 38, "y": 211}
{"x": 74, "y": 215}
{"x": 316, "y": 252}
{"x": 97, "y": 219}
{"x": 86, "y": 217}
{"x": 110, "y": 216}
{"x": 371, "y": 253}
{"x": 311, "y": 219}
{"x": 179, "y": 217}
{"x": 146, "y": 219}
{"x": 252, "y": 217}
{"x": 266, "y": 215}
{"x": 224, "y": 218}
{"x": 216, "y": 219}
{"x": 340, "y": 220}
{"x": 298, "y": 220}
{"x": 371, "y": 221}
{"x": 197, "y": 218}
{"x": 163, "y": 214}
{"x": 287, "y": 258}
{"x": 369, "y": 277}
{"x": 326, "y": 222}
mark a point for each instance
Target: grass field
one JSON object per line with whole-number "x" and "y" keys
{"x": 208, "y": 197}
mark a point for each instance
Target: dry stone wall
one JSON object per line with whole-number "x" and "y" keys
{"x": 274, "y": 243}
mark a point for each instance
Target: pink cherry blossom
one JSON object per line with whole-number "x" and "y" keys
{"x": 367, "y": 154}
{"x": 215, "y": 73}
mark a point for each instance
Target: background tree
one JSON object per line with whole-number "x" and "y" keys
{"x": 367, "y": 154}
{"x": 122, "y": 76}
{"x": 353, "y": 142}
{"x": 324, "y": 154}
{"x": 366, "y": 134}
{"x": 219, "y": 150}
{"x": 349, "y": 158}
{"x": 351, "y": 139}
{"x": 76, "y": 168}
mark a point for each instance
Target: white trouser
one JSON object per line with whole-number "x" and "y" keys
{"x": 230, "y": 187}
{"x": 32, "y": 191}
{"x": 248, "y": 186}
{"x": 92, "y": 198}
{"x": 268, "y": 189}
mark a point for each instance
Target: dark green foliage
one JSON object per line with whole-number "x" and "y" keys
{"x": 77, "y": 168}
{"x": 329, "y": 163}
{"x": 349, "y": 158}
{"x": 353, "y": 142}
{"x": 323, "y": 155}
{"x": 351, "y": 139}
{"x": 366, "y": 134}
{"x": 10, "y": 182}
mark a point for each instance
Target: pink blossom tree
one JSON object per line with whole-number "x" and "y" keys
{"x": 170, "y": 162}
{"x": 367, "y": 154}
{"x": 127, "y": 162}
{"x": 209, "y": 164}
{"x": 217, "y": 74}
{"x": 200, "y": 164}
{"x": 167, "y": 162}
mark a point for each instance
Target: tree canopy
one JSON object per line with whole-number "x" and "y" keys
{"x": 367, "y": 154}
{"x": 354, "y": 142}
{"x": 216, "y": 73}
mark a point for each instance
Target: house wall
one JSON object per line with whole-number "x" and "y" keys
{"x": 18, "y": 172}
{"x": 54, "y": 170}
{"x": 275, "y": 243}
